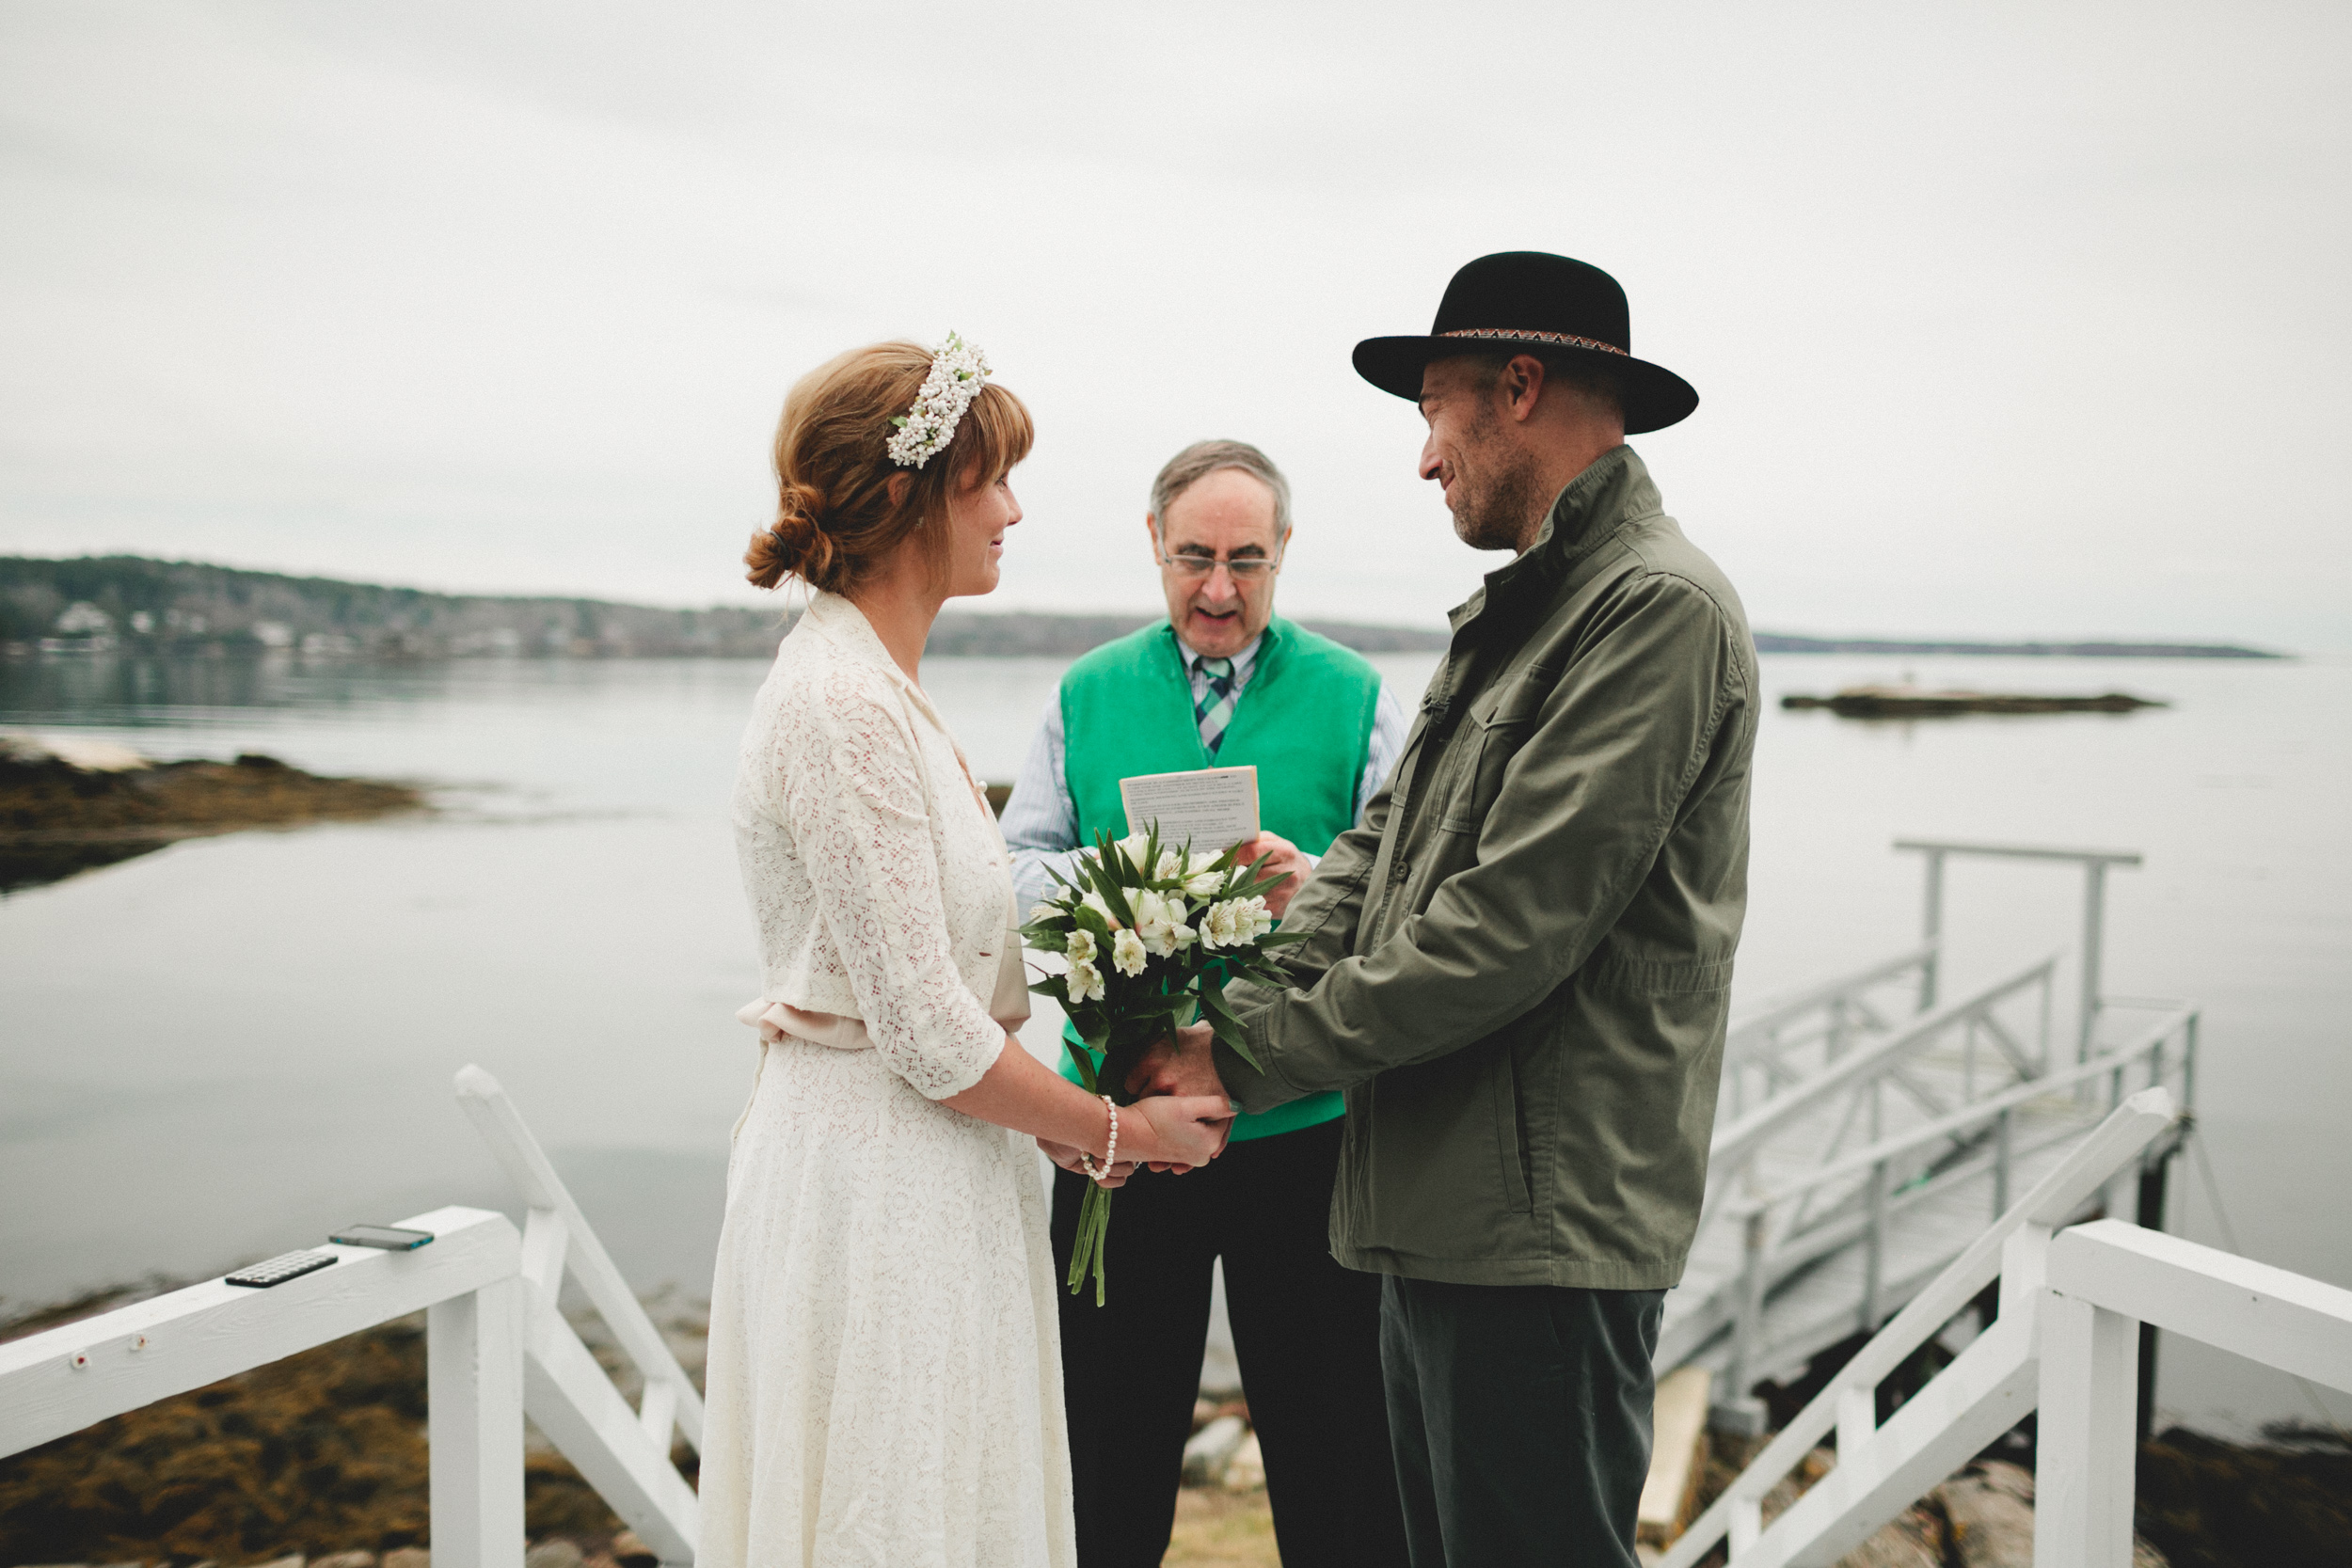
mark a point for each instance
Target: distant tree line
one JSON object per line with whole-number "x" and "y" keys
{"x": 135, "y": 604}
{"x": 129, "y": 603}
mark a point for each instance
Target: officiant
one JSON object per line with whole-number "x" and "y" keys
{"x": 1223, "y": 682}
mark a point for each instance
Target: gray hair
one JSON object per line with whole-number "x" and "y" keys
{"x": 1199, "y": 460}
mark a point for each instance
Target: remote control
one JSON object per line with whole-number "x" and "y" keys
{"x": 285, "y": 1266}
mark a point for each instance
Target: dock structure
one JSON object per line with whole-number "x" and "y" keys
{"x": 1869, "y": 1130}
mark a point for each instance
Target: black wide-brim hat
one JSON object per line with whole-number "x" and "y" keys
{"x": 1529, "y": 300}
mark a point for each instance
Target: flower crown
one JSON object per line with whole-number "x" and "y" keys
{"x": 958, "y": 371}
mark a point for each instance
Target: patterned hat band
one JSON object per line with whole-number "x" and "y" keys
{"x": 1567, "y": 339}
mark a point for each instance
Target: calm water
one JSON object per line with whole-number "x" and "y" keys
{"x": 218, "y": 1050}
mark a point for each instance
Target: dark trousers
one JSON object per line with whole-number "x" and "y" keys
{"x": 1521, "y": 1419}
{"x": 1306, "y": 1331}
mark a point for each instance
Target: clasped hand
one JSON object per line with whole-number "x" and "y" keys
{"x": 1181, "y": 1096}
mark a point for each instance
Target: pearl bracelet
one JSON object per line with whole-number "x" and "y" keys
{"x": 1109, "y": 1154}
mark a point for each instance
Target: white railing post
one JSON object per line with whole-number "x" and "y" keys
{"x": 1932, "y": 928}
{"x": 623, "y": 1453}
{"x": 2084, "y": 1447}
{"x": 1738, "y": 1410}
{"x": 474, "y": 1398}
{"x": 2094, "y": 950}
{"x": 1874, "y": 1255}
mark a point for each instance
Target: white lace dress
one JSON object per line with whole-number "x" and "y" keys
{"x": 884, "y": 1381}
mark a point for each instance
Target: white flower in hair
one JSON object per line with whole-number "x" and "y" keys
{"x": 958, "y": 371}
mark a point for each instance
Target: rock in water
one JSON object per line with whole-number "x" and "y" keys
{"x": 1990, "y": 1507}
{"x": 1211, "y": 1449}
{"x": 1245, "y": 1470}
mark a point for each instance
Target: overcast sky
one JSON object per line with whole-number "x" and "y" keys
{"x": 2005, "y": 321}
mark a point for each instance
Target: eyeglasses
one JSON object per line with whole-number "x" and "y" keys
{"x": 1246, "y": 569}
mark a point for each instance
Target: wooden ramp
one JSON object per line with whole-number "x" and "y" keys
{"x": 1867, "y": 1137}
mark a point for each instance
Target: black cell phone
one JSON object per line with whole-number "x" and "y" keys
{"x": 391, "y": 1238}
{"x": 285, "y": 1266}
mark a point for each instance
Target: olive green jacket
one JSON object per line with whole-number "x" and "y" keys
{"x": 1518, "y": 965}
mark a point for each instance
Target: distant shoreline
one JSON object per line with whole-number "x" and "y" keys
{"x": 138, "y": 605}
{"x": 1777, "y": 642}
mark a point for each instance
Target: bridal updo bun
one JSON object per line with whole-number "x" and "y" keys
{"x": 837, "y": 521}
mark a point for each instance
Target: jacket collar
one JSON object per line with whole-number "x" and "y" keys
{"x": 1614, "y": 489}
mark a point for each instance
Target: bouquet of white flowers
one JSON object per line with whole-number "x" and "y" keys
{"x": 1150, "y": 934}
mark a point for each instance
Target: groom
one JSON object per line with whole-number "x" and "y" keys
{"x": 1518, "y": 965}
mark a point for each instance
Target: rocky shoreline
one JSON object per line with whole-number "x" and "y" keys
{"x": 69, "y": 805}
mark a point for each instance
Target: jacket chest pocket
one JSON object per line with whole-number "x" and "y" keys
{"x": 1490, "y": 737}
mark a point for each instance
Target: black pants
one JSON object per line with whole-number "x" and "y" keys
{"x": 1521, "y": 1418}
{"x": 1306, "y": 1331}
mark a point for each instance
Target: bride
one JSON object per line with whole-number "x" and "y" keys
{"x": 884, "y": 1380}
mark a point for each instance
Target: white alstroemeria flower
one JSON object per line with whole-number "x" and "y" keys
{"x": 1172, "y": 865}
{"x": 1252, "y": 919}
{"x": 1094, "y": 901}
{"x": 1044, "y": 911}
{"x": 1132, "y": 847}
{"x": 1159, "y": 918}
{"x": 1235, "y": 922}
{"x": 1084, "y": 982}
{"x": 1204, "y": 884}
{"x": 1127, "y": 955}
{"x": 1081, "y": 945}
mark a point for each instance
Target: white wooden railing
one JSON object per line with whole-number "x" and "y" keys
{"x": 2104, "y": 1280}
{"x": 1861, "y": 1196}
{"x": 2066, "y": 1341}
{"x": 2093, "y": 957}
{"x": 1987, "y": 1389}
{"x": 468, "y": 1284}
{"x": 496, "y": 1347}
{"x": 1786, "y": 1040}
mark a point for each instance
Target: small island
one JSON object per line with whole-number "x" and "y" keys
{"x": 71, "y": 805}
{"x": 1906, "y": 701}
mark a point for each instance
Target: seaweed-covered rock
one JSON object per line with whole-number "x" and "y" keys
{"x": 2209, "y": 1504}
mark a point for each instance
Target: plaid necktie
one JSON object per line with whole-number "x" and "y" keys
{"x": 1213, "y": 706}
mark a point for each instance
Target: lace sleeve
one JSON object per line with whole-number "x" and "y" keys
{"x": 853, "y": 798}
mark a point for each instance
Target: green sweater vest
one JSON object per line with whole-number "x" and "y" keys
{"x": 1304, "y": 719}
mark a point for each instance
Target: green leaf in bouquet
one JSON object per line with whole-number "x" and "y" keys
{"x": 1041, "y": 938}
{"x": 1108, "y": 885}
{"x": 1222, "y": 1021}
{"x": 1283, "y": 939}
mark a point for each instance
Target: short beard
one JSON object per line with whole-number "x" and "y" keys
{"x": 1495, "y": 503}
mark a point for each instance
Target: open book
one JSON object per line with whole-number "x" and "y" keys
{"x": 1214, "y": 807}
